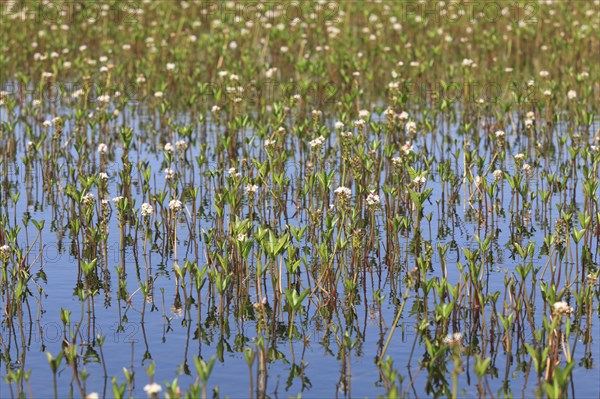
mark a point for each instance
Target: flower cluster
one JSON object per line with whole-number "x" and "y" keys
{"x": 453, "y": 339}
{"x": 251, "y": 188}
{"x": 419, "y": 181}
{"x": 152, "y": 389}
{"x": 317, "y": 143}
{"x": 175, "y": 205}
{"x": 4, "y": 252}
{"x": 407, "y": 148}
{"x": 373, "y": 200}
{"x": 343, "y": 193}
{"x": 89, "y": 199}
{"x": 181, "y": 145}
{"x": 169, "y": 173}
{"x": 498, "y": 175}
{"x": 561, "y": 309}
{"x": 147, "y": 209}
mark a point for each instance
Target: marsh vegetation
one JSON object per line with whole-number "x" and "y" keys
{"x": 299, "y": 199}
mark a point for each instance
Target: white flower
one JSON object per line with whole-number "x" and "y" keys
{"x": 89, "y": 199}
{"x": 175, "y": 205}
{"x": 158, "y": 94}
{"x": 168, "y": 147}
{"x": 397, "y": 161}
{"x": 147, "y": 209}
{"x": 453, "y": 339}
{"x": 363, "y": 114}
{"x": 528, "y": 123}
{"x": 498, "y": 175}
{"x": 104, "y": 99}
{"x": 181, "y": 145}
{"x": 373, "y": 199}
{"x": 318, "y": 142}
{"x": 343, "y": 193}
{"x": 360, "y": 123}
{"x": 242, "y": 237}
{"x": 478, "y": 181}
{"x": 411, "y": 127}
{"x": 269, "y": 73}
{"x": 544, "y": 74}
{"x": 251, "y": 188}
{"x": 77, "y": 93}
{"x": 4, "y": 251}
{"x": 152, "y": 389}
{"x": 339, "y": 125}
{"x": 572, "y": 94}
{"x": 92, "y": 395}
{"x": 526, "y": 168}
{"x": 530, "y": 115}
{"x": 467, "y": 62}
{"x": 215, "y": 109}
{"x": 103, "y": 176}
{"x": 500, "y": 134}
{"x": 47, "y": 124}
{"x": 102, "y": 148}
{"x": 170, "y": 66}
{"x": 562, "y": 308}
{"x": 547, "y": 93}
{"x": 420, "y": 180}
{"x": 269, "y": 143}
{"x": 169, "y": 173}
{"x": 520, "y": 156}
{"x": 407, "y": 148}
{"x": 284, "y": 49}
{"x": 118, "y": 199}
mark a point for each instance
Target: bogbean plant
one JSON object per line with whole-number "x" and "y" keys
{"x": 304, "y": 176}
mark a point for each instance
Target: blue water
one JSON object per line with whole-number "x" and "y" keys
{"x": 167, "y": 336}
